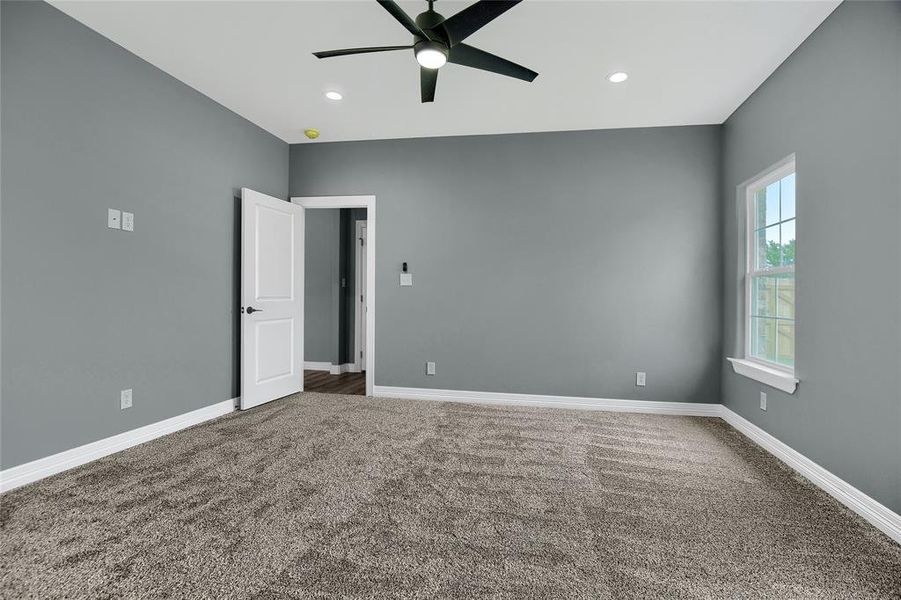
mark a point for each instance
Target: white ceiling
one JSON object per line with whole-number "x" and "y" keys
{"x": 689, "y": 62}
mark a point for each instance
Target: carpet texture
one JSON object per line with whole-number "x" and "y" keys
{"x": 319, "y": 496}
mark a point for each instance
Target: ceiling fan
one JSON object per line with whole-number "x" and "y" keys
{"x": 437, "y": 41}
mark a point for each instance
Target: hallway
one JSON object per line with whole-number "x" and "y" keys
{"x": 345, "y": 383}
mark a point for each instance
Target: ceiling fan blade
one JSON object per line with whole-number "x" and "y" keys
{"x": 428, "y": 80}
{"x": 402, "y": 17}
{"x": 348, "y": 51}
{"x": 472, "y": 18}
{"x": 461, "y": 54}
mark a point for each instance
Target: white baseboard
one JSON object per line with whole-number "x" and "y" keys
{"x": 44, "y": 467}
{"x": 332, "y": 369}
{"x": 880, "y": 516}
{"x": 317, "y": 366}
{"x": 691, "y": 409}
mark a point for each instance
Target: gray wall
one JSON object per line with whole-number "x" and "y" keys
{"x": 322, "y": 272}
{"x": 836, "y": 103}
{"x": 343, "y": 256}
{"x": 88, "y": 311}
{"x": 555, "y": 263}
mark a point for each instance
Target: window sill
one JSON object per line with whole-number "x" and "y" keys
{"x": 768, "y": 375}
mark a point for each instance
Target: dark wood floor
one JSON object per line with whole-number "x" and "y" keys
{"x": 345, "y": 383}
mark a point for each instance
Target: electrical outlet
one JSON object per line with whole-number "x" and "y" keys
{"x": 430, "y": 368}
{"x": 128, "y": 221}
{"x": 125, "y": 399}
{"x": 762, "y": 400}
{"x": 114, "y": 218}
{"x": 640, "y": 379}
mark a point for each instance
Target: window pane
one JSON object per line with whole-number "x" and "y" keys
{"x": 759, "y": 249}
{"x": 768, "y": 249}
{"x": 763, "y": 338}
{"x": 760, "y": 208}
{"x": 763, "y": 297}
{"x": 788, "y": 197}
{"x": 785, "y": 296}
{"x": 772, "y": 203}
{"x": 771, "y": 323}
{"x": 788, "y": 242}
{"x": 785, "y": 332}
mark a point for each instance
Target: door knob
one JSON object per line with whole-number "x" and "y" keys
{"x": 251, "y": 310}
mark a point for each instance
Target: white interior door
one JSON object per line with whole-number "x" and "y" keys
{"x": 272, "y": 246}
{"x": 360, "y": 312}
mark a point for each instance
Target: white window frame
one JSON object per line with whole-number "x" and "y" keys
{"x": 771, "y": 373}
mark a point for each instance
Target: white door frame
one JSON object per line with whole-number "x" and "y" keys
{"x": 367, "y": 202}
{"x": 359, "y": 313}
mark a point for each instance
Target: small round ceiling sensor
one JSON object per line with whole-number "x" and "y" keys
{"x": 333, "y": 95}
{"x": 311, "y": 133}
{"x": 617, "y": 77}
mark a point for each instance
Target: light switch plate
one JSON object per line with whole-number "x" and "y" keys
{"x": 406, "y": 279}
{"x": 125, "y": 399}
{"x": 640, "y": 378}
{"x": 128, "y": 221}
{"x": 114, "y": 218}
{"x": 762, "y": 400}
{"x": 430, "y": 368}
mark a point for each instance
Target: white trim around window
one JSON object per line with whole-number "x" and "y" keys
{"x": 753, "y": 365}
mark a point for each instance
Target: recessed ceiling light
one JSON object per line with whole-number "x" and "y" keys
{"x": 333, "y": 95}
{"x": 617, "y": 77}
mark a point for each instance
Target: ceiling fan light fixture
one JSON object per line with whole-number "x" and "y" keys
{"x": 431, "y": 55}
{"x": 333, "y": 95}
{"x": 617, "y": 77}
{"x": 438, "y": 41}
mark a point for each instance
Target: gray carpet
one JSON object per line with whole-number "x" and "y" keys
{"x": 320, "y": 496}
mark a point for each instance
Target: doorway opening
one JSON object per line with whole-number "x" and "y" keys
{"x": 339, "y": 317}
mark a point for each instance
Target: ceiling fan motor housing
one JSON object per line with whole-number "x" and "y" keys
{"x": 430, "y": 20}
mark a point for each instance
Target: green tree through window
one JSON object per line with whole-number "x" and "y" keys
{"x": 780, "y": 254}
